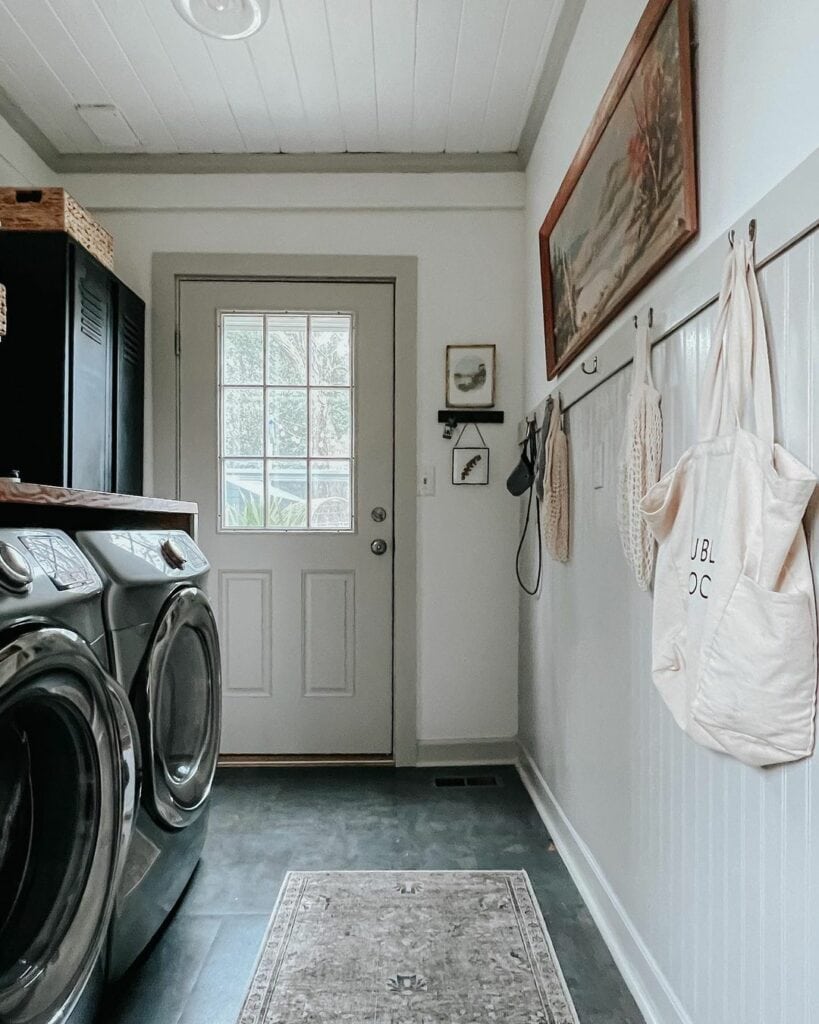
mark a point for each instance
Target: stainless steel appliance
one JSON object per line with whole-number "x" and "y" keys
{"x": 164, "y": 651}
{"x": 68, "y": 778}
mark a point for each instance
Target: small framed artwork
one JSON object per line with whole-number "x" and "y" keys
{"x": 470, "y": 376}
{"x": 470, "y": 466}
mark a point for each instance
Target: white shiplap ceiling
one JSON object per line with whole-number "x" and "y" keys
{"x": 322, "y": 76}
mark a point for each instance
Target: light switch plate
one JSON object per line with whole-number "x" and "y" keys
{"x": 426, "y": 480}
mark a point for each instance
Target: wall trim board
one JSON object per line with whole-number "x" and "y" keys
{"x": 28, "y": 131}
{"x": 652, "y": 992}
{"x": 788, "y": 213}
{"x": 285, "y": 163}
{"x": 127, "y": 193}
{"x": 502, "y": 750}
{"x": 168, "y": 271}
{"x": 567, "y": 16}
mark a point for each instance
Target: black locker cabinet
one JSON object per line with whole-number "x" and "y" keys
{"x": 71, "y": 367}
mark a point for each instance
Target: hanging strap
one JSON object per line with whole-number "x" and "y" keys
{"x": 738, "y": 374}
{"x": 530, "y": 448}
{"x": 642, "y": 358}
{"x": 523, "y": 586}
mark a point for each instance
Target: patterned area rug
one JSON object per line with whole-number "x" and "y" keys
{"x": 416, "y": 947}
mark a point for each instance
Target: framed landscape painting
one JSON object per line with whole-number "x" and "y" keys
{"x": 628, "y": 202}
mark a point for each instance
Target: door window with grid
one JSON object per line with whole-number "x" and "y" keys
{"x": 286, "y": 406}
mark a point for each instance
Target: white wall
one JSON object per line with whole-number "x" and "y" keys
{"x": 466, "y": 232}
{"x": 704, "y": 867}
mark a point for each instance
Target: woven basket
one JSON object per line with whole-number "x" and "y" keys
{"x": 53, "y": 209}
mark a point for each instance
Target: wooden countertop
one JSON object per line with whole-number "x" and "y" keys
{"x": 26, "y": 504}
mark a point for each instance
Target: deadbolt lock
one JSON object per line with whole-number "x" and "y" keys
{"x": 379, "y": 514}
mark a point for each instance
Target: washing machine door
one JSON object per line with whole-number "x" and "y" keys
{"x": 181, "y": 684}
{"x": 67, "y": 794}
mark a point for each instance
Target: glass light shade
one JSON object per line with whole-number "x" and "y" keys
{"x": 225, "y": 19}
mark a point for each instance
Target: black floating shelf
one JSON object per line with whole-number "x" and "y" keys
{"x": 470, "y": 415}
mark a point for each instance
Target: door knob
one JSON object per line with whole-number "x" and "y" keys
{"x": 378, "y": 547}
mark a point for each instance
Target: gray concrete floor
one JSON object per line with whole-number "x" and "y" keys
{"x": 267, "y": 821}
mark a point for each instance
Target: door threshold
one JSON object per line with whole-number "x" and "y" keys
{"x": 302, "y": 760}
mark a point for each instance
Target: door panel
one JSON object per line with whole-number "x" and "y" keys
{"x": 286, "y": 442}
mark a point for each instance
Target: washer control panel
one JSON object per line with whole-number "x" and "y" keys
{"x": 61, "y": 561}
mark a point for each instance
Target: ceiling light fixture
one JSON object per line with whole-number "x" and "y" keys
{"x": 225, "y": 19}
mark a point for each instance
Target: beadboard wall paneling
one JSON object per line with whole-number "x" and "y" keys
{"x": 715, "y": 864}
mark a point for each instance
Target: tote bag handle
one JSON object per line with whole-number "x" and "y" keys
{"x": 738, "y": 373}
{"x": 642, "y": 359}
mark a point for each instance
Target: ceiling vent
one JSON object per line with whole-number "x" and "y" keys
{"x": 225, "y": 19}
{"x": 109, "y": 125}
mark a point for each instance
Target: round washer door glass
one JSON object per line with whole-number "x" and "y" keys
{"x": 64, "y": 810}
{"x": 184, "y": 699}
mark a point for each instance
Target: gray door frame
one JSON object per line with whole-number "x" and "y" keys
{"x": 169, "y": 271}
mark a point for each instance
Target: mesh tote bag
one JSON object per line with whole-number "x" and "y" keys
{"x": 641, "y": 453}
{"x": 556, "y": 488}
{"x": 734, "y": 645}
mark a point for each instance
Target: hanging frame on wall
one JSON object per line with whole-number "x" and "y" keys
{"x": 628, "y": 201}
{"x": 470, "y": 376}
{"x": 470, "y": 463}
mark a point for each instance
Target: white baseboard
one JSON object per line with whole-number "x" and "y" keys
{"x": 454, "y": 753}
{"x": 647, "y": 983}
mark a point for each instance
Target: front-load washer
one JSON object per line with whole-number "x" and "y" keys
{"x": 164, "y": 651}
{"x": 68, "y": 778}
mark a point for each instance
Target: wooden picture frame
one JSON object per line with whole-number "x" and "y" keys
{"x": 628, "y": 202}
{"x": 470, "y": 376}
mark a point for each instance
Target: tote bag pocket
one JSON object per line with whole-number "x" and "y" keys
{"x": 757, "y": 677}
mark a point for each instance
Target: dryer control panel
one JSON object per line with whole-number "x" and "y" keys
{"x": 61, "y": 561}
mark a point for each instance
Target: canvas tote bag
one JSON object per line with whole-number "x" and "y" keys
{"x": 556, "y": 488}
{"x": 641, "y": 453}
{"x": 734, "y": 645}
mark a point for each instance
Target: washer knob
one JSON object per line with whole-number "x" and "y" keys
{"x": 15, "y": 571}
{"x": 173, "y": 554}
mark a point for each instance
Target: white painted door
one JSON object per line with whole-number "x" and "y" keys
{"x": 286, "y": 405}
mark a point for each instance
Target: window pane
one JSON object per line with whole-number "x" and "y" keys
{"x": 287, "y": 494}
{"x": 330, "y": 422}
{"x": 244, "y": 421}
{"x": 330, "y": 507}
{"x": 243, "y": 495}
{"x": 287, "y": 422}
{"x": 330, "y": 350}
{"x": 287, "y": 350}
{"x": 242, "y": 349}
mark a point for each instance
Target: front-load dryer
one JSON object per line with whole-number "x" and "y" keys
{"x": 68, "y": 777}
{"x": 164, "y": 650}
